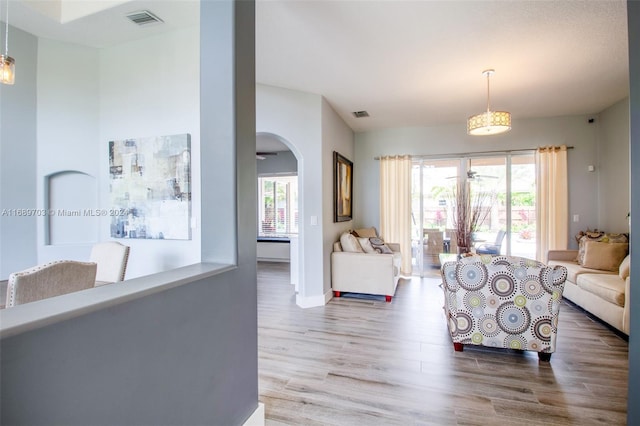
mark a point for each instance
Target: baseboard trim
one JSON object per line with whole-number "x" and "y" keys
{"x": 257, "y": 418}
{"x": 313, "y": 301}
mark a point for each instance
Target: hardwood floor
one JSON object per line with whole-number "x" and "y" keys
{"x": 368, "y": 362}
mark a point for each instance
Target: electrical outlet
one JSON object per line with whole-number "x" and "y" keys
{"x": 576, "y": 218}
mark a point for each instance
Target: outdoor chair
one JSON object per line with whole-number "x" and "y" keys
{"x": 492, "y": 248}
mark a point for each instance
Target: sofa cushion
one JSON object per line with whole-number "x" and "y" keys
{"x": 350, "y": 243}
{"x": 367, "y": 232}
{"x": 597, "y": 236}
{"x": 379, "y": 246}
{"x": 604, "y": 256}
{"x": 366, "y": 245}
{"x": 625, "y": 267}
{"x": 608, "y": 287}
{"x": 574, "y": 270}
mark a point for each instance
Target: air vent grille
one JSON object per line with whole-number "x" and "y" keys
{"x": 144, "y": 17}
{"x": 360, "y": 114}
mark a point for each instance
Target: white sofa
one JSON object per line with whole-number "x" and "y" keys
{"x": 604, "y": 294}
{"x": 368, "y": 273}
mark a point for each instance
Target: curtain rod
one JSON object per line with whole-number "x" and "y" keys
{"x": 468, "y": 154}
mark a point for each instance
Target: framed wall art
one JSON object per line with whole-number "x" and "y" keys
{"x": 342, "y": 188}
{"x": 150, "y": 187}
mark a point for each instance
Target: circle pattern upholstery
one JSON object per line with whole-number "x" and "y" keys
{"x": 503, "y": 301}
{"x": 513, "y": 319}
{"x": 472, "y": 276}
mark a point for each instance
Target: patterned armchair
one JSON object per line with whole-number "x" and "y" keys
{"x": 503, "y": 302}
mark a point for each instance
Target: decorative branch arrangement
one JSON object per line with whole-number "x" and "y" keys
{"x": 470, "y": 209}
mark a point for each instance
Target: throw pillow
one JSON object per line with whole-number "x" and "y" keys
{"x": 625, "y": 267}
{"x": 604, "y": 256}
{"x": 379, "y": 246}
{"x": 366, "y": 245}
{"x": 350, "y": 243}
{"x": 599, "y": 237}
{"x": 367, "y": 232}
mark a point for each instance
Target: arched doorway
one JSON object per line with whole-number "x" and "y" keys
{"x": 279, "y": 202}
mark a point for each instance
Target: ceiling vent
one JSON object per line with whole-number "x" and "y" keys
{"x": 144, "y": 17}
{"x": 360, "y": 114}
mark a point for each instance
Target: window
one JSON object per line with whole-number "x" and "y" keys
{"x": 277, "y": 206}
{"x": 510, "y": 176}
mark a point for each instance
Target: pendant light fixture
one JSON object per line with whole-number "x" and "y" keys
{"x": 7, "y": 63}
{"x": 489, "y": 122}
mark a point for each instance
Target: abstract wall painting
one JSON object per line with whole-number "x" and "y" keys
{"x": 150, "y": 187}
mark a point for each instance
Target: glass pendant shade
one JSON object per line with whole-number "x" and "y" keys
{"x": 489, "y": 123}
{"x": 7, "y": 70}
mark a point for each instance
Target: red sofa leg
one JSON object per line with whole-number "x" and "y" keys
{"x": 458, "y": 347}
{"x": 388, "y": 298}
{"x": 336, "y": 293}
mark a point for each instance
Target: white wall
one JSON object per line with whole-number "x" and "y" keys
{"x": 126, "y": 91}
{"x": 336, "y": 136}
{"x": 295, "y": 117}
{"x": 68, "y": 134}
{"x": 613, "y": 168}
{"x": 312, "y": 130}
{"x": 145, "y": 92}
{"x": 18, "y": 239}
{"x": 573, "y": 131}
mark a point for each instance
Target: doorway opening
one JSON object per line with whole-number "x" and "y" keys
{"x": 279, "y": 200}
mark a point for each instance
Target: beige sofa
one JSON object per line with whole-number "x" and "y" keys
{"x": 604, "y": 294}
{"x": 356, "y": 271}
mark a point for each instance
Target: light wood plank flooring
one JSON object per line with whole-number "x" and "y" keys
{"x": 368, "y": 362}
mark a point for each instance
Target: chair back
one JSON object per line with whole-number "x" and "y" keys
{"x": 452, "y": 234}
{"x": 433, "y": 241}
{"x": 503, "y": 301}
{"x": 112, "y": 258}
{"x": 500, "y": 238}
{"x": 49, "y": 280}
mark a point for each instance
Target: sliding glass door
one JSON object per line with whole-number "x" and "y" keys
{"x": 507, "y": 185}
{"x": 432, "y": 227}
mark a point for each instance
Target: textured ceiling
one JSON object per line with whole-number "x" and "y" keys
{"x": 408, "y": 63}
{"x": 420, "y": 63}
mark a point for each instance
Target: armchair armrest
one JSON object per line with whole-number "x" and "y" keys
{"x": 562, "y": 255}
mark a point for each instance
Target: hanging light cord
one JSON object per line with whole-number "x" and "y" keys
{"x": 6, "y": 32}
{"x": 488, "y": 72}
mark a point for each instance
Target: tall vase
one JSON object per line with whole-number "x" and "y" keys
{"x": 462, "y": 251}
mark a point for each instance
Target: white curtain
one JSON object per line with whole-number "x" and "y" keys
{"x": 395, "y": 205}
{"x": 552, "y": 204}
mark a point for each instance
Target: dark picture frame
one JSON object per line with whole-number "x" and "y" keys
{"x": 342, "y": 188}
